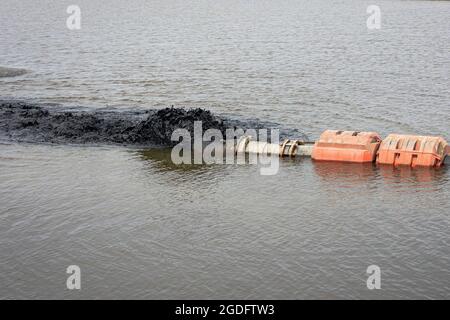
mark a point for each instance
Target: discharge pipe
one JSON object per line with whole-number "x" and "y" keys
{"x": 290, "y": 148}
{"x": 355, "y": 146}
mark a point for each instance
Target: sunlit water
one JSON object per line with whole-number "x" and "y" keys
{"x": 140, "y": 227}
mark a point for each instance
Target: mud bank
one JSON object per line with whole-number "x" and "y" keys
{"x": 21, "y": 121}
{"x": 11, "y": 72}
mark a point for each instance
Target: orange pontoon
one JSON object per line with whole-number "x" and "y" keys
{"x": 412, "y": 151}
{"x": 346, "y": 146}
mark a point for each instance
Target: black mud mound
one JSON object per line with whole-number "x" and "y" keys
{"x": 162, "y": 123}
{"x": 22, "y": 121}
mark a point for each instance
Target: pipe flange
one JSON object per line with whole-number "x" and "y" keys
{"x": 293, "y": 147}
{"x": 244, "y": 140}
{"x": 283, "y": 146}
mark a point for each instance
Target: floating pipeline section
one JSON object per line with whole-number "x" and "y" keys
{"x": 289, "y": 148}
{"x": 29, "y": 122}
{"x": 358, "y": 147}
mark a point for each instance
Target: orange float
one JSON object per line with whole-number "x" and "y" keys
{"x": 346, "y": 146}
{"x": 412, "y": 151}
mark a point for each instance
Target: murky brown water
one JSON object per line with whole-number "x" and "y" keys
{"x": 140, "y": 227}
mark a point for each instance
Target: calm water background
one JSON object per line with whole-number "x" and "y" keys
{"x": 141, "y": 228}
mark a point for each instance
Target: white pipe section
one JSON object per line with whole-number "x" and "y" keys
{"x": 246, "y": 145}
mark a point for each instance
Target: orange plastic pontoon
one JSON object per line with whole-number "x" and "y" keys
{"x": 412, "y": 151}
{"x": 346, "y": 146}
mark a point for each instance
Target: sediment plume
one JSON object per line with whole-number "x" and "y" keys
{"x": 33, "y": 122}
{"x": 29, "y": 122}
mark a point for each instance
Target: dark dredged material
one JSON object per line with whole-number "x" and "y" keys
{"x": 30, "y": 122}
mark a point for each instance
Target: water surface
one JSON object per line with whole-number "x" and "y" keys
{"x": 140, "y": 227}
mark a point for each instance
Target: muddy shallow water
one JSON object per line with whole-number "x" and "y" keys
{"x": 141, "y": 227}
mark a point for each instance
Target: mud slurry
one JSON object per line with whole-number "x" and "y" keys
{"x": 22, "y": 121}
